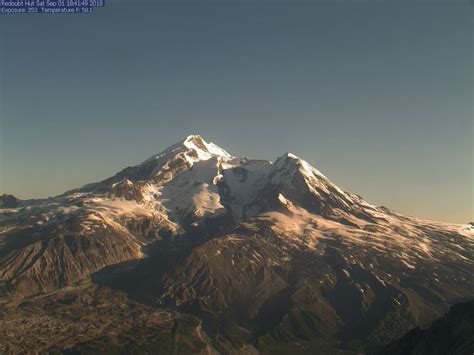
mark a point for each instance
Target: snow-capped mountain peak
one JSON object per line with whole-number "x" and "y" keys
{"x": 193, "y": 146}
{"x": 197, "y": 143}
{"x": 231, "y": 237}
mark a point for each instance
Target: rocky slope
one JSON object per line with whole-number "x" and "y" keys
{"x": 262, "y": 257}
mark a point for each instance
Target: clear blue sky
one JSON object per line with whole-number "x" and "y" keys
{"x": 375, "y": 94}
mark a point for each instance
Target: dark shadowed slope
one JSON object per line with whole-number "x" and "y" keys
{"x": 452, "y": 334}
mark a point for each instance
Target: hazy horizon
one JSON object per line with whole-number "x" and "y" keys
{"x": 375, "y": 95}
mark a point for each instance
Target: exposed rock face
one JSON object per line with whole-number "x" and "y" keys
{"x": 63, "y": 260}
{"x": 252, "y": 256}
{"x": 127, "y": 190}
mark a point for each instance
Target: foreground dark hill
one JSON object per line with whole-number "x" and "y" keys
{"x": 195, "y": 250}
{"x": 451, "y": 334}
